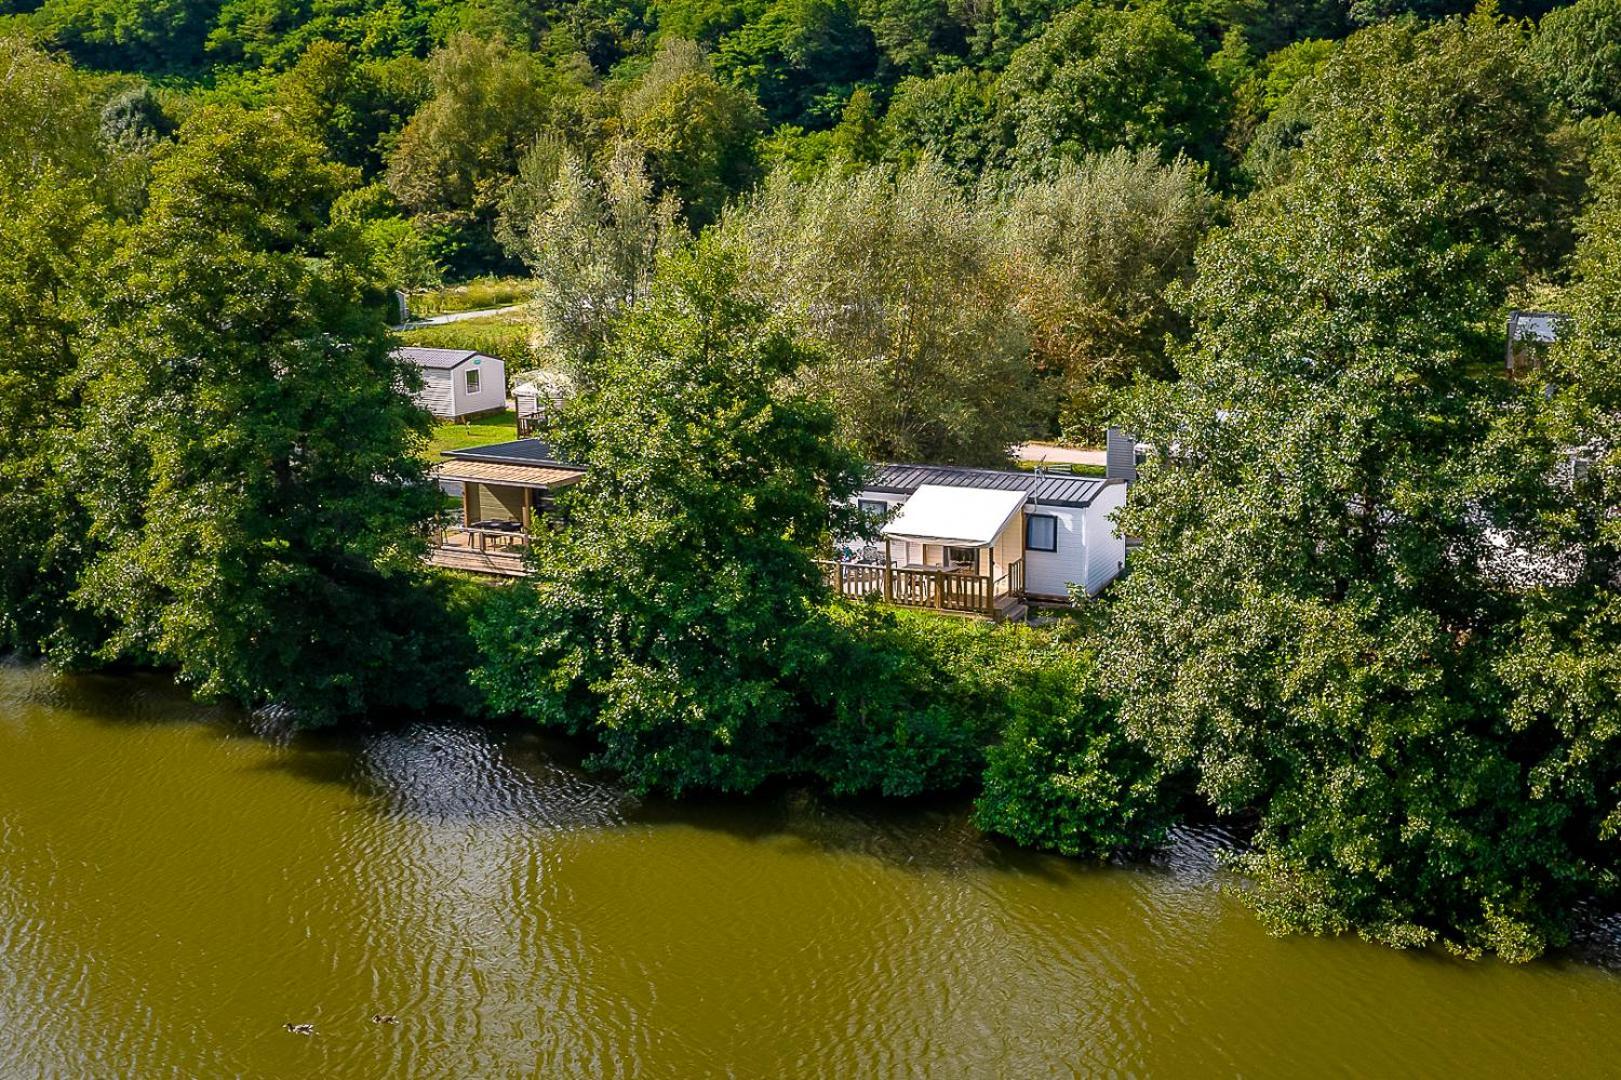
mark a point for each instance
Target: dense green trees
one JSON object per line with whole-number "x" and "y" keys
{"x": 247, "y": 458}
{"x": 207, "y": 457}
{"x": 956, "y": 325}
{"x": 141, "y": 35}
{"x": 1015, "y": 85}
{"x": 1101, "y": 77}
{"x": 898, "y": 279}
{"x": 446, "y": 96}
{"x": 52, "y": 236}
{"x": 1062, "y": 774}
{"x": 591, "y": 238}
{"x": 950, "y": 118}
{"x": 455, "y": 156}
{"x": 699, "y": 134}
{"x": 1093, "y": 254}
{"x": 56, "y": 232}
{"x": 673, "y": 618}
{"x": 349, "y": 106}
{"x": 1578, "y": 49}
{"x": 800, "y": 58}
{"x": 399, "y": 251}
{"x": 1558, "y": 663}
{"x": 1312, "y": 625}
{"x": 679, "y": 622}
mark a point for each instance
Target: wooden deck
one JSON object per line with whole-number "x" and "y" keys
{"x": 480, "y": 551}
{"x": 499, "y": 564}
{"x": 949, "y": 592}
{"x": 500, "y": 553}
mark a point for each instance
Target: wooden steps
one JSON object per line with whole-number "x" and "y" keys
{"x": 1011, "y": 609}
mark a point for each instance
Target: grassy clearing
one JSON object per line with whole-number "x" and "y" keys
{"x": 475, "y": 295}
{"x": 1078, "y": 469}
{"x": 459, "y": 435}
{"x": 505, "y": 336}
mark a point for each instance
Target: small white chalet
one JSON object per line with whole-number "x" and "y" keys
{"x": 457, "y": 383}
{"x": 983, "y": 541}
{"x": 1529, "y": 335}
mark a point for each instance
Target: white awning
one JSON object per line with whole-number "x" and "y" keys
{"x": 955, "y": 516}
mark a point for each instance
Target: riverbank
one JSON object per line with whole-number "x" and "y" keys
{"x": 175, "y": 886}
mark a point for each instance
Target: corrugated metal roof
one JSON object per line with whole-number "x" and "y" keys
{"x": 1053, "y": 490}
{"x": 437, "y": 359}
{"x": 1041, "y": 487}
{"x": 516, "y": 452}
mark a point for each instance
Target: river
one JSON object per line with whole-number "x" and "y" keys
{"x": 175, "y": 886}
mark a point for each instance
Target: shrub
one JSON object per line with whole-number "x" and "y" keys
{"x": 1065, "y": 776}
{"x": 914, "y": 700}
{"x": 903, "y": 711}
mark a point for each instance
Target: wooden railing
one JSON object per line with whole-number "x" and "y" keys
{"x": 1011, "y": 582}
{"x": 940, "y": 589}
{"x": 855, "y": 581}
{"x": 482, "y": 540}
{"x": 491, "y": 552}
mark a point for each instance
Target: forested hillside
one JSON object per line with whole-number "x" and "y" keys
{"x": 1374, "y": 618}
{"x": 1058, "y": 164}
{"x": 1066, "y": 158}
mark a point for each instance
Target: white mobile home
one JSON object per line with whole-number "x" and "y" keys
{"x": 1529, "y": 335}
{"x": 457, "y": 383}
{"x": 538, "y": 395}
{"x": 983, "y": 541}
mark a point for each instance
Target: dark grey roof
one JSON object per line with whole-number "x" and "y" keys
{"x": 1041, "y": 487}
{"x": 517, "y": 452}
{"x": 437, "y": 359}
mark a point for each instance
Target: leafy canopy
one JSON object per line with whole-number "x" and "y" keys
{"x": 56, "y": 233}
{"x": 672, "y": 617}
{"x": 1100, "y": 77}
{"x": 897, "y": 278}
{"x": 1312, "y": 623}
{"x": 248, "y": 456}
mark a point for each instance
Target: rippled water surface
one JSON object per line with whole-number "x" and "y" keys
{"x": 174, "y": 887}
